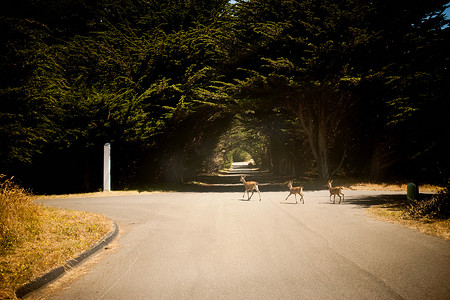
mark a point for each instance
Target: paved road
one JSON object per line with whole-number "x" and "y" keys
{"x": 217, "y": 246}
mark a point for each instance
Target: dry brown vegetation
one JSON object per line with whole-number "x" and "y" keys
{"x": 395, "y": 213}
{"x": 35, "y": 239}
{"x": 428, "y": 214}
{"x": 367, "y": 186}
{"x": 98, "y": 194}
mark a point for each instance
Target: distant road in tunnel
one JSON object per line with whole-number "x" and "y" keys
{"x": 215, "y": 245}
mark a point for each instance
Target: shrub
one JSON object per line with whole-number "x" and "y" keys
{"x": 19, "y": 215}
{"x": 437, "y": 207}
{"x": 241, "y": 155}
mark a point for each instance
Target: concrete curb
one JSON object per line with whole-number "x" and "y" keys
{"x": 54, "y": 274}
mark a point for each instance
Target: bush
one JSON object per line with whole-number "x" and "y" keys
{"x": 437, "y": 207}
{"x": 19, "y": 215}
{"x": 241, "y": 155}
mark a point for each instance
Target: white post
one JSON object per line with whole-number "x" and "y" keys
{"x": 107, "y": 167}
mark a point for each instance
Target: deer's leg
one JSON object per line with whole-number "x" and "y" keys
{"x": 251, "y": 195}
{"x": 287, "y": 197}
{"x": 258, "y": 193}
{"x": 303, "y": 200}
{"x": 257, "y": 189}
{"x": 295, "y": 195}
{"x": 343, "y": 198}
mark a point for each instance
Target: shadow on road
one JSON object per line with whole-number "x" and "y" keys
{"x": 394, "y": 200}
{"x": 229, "y": 181}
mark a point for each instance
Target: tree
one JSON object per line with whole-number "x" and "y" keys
{"x": 130, "y": 74}
{"x": 319, "y": 58}
{"x": 322, "y": 80}
{"x": 403, "y": 88}
{"x": 301, "y": 49}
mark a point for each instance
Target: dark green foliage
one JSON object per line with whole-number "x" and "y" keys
{"x": 357, "y": 87}
{"x": 119, "y": 75}
{"x": 356, "y": 79}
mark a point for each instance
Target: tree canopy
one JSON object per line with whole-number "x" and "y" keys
{"x": 329, "y": 87}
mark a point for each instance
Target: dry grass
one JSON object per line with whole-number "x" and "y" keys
{"x": 395, "y": 213}
{"x": 35, "y": 239}
{"x": 367, "y": 186}
{"x": 99, "y": 194}
{"x": 429, "y": 214}
{"x": 20, "y": 218}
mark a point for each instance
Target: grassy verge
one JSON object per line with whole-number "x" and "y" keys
{"x": 396, "y": 212}
{"x": 35, "y": 239}
{"x": 366, "y": 186}
{"x": 428, "y": 214}
{"x": 147, "y": 191}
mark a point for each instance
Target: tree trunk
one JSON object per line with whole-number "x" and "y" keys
{"x": 340, "y": 164}
{"x": 322, "y": 142}
{"x": 313, "y": 120}
{"x": 384, "y": 156}
{"x": 180, "y": 167}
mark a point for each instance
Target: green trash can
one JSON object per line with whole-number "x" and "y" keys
{"x": 412, "y": 192}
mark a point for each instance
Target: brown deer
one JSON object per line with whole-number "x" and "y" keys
{"x": 335, "y": 191}
{"x": 250, "y": 186}
{"x": 295, "y": 191}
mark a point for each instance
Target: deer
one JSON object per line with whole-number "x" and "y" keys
{"x": 295, "y": 191}
{"x": 250, "y": 186}
{"x": 335, "y": 191}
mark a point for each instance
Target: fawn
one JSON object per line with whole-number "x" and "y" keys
{"x": 335, "y": 191}
{"x": 250, "y": 186}
{"x": 295, "y": 191}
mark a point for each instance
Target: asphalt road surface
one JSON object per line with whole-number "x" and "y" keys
{"x": 215, "y": 245}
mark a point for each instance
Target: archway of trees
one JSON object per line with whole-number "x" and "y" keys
{"x": 311, "y": 87}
